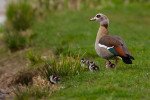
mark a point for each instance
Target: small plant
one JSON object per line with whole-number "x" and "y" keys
{"x": 15, "y": 41}
{"x": 63, "y": 66}
{"x": 20, "y": 15}
{"x": 34, "y": 58}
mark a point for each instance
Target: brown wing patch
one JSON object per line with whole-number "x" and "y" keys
{"x": 109, "y": 41}
{"x": 120, "y": 51}
{"x": 112, "y": 41}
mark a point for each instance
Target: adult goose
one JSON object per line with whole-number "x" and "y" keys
{"x": 108, "y": 46}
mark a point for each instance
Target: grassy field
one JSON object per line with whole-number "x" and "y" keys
{"x": 70, "y": 33}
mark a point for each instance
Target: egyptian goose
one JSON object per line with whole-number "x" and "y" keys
{"x": 107, "y": 46}
{"x": 54, "y": 79}
{"x": 93, "y": 66}
{"x": 89, "y": 64}
{"x": 84, "y": 62}
{"x": 110, "y": 65}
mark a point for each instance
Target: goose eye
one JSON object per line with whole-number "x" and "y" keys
{"x": 98, "y": 16}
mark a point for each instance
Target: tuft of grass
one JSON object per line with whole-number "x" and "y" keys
{"x": 15, "y": 41}
{"x": 61, "y": 65}
{"x": 20, "y": 18}
{"x": 19, "y": 15}
{"x": 34, "y": 58}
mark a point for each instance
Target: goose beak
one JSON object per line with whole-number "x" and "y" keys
{"x": 93, "y": 19}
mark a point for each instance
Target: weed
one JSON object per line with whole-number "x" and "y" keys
{"x": 34, "y": 58}
{"x": 20, "y": 15}
{"x": 15, "y": 41}
{"x": 63, "y": 66}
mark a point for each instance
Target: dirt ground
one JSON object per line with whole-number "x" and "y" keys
{"x": 10, "y": 64}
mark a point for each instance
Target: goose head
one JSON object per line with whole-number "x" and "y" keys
{"x": 83, "y": 60}
{"x": 91, "y": 63}
{"x": 101, "y": 18}
{"x": 54, "y": 79}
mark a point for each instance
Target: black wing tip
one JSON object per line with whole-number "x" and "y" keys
{"x": 131, "y": 57}
{"x": 128, "y": 59}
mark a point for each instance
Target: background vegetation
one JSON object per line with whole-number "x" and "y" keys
{"x": 61, "y": 34}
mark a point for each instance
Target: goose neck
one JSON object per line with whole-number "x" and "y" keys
{"x": 101, "y": 32}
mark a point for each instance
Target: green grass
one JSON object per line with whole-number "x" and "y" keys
{"x": 71, "y": 33}
{"x": 20, "y": 16}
